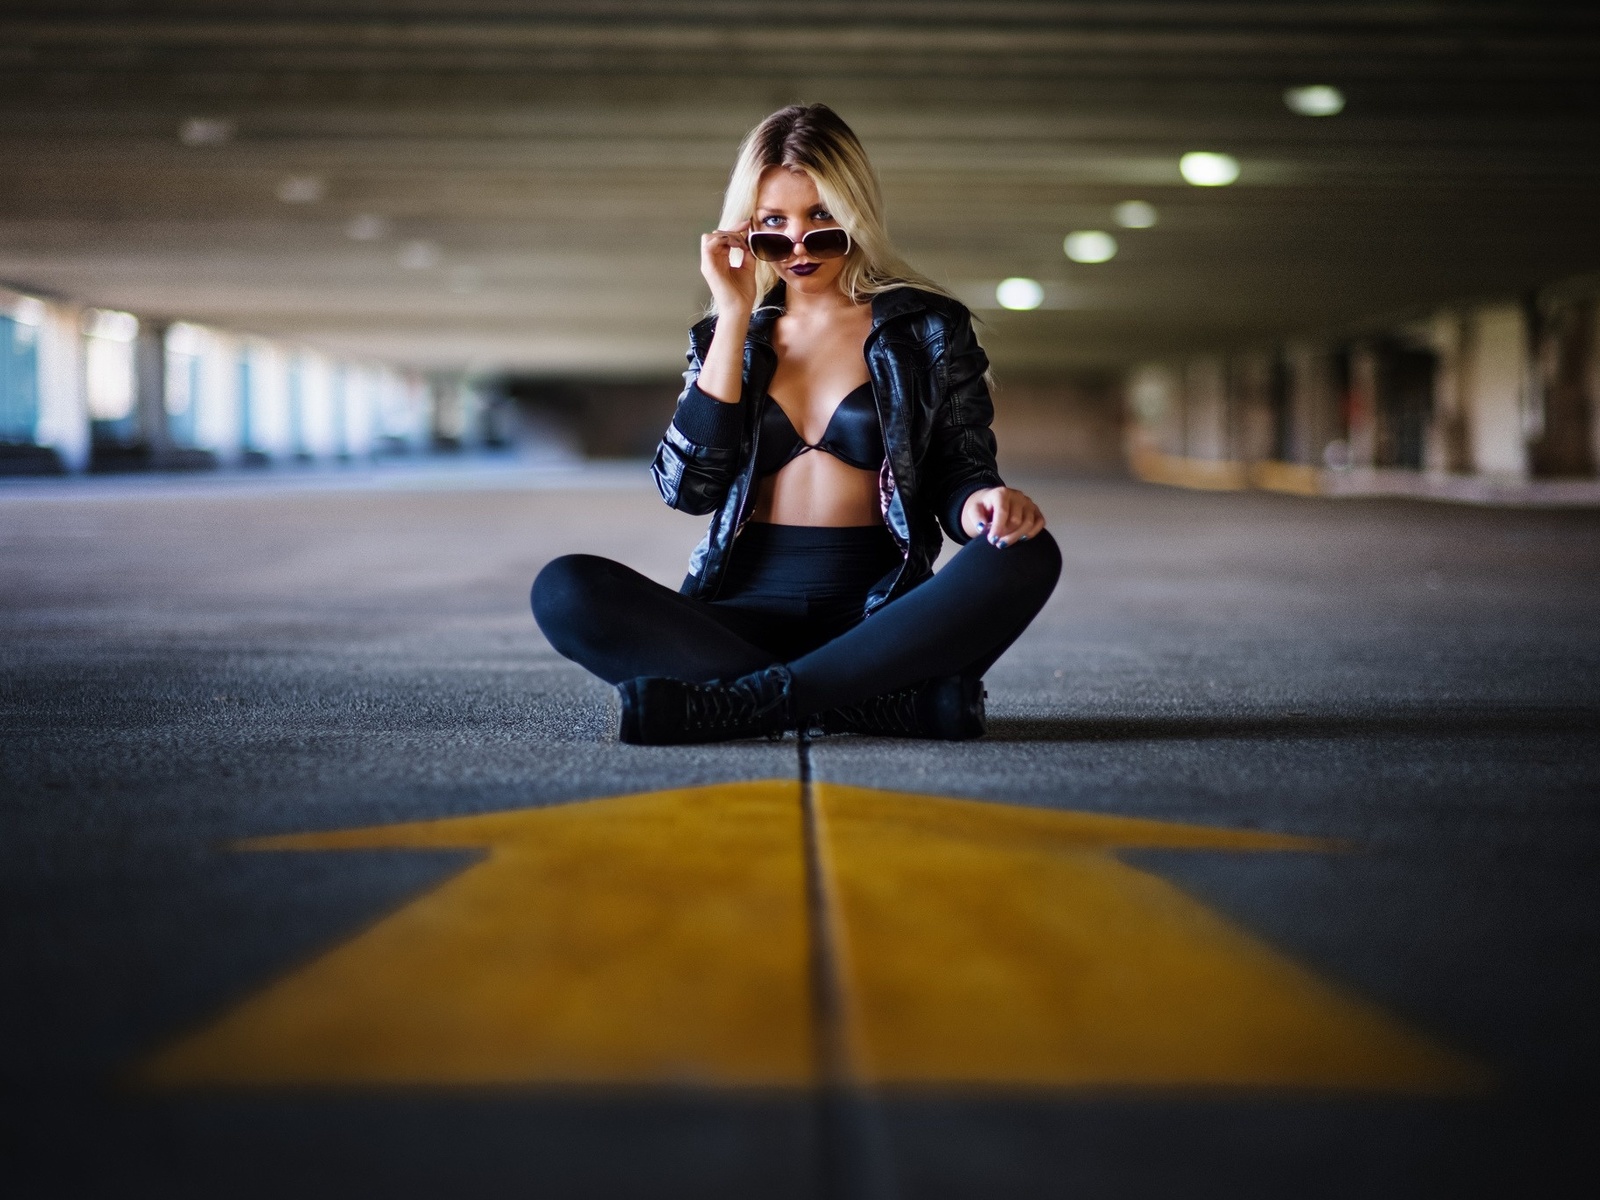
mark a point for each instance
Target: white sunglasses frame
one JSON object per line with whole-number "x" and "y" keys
{"x": 849, "y": 242}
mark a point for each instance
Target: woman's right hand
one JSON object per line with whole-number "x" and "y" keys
{"x": 733, "y": 289}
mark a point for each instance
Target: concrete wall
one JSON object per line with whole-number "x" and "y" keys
{"x": 1054, "y": 424}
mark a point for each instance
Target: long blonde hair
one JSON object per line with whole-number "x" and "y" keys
{"x": 813, "y": 139}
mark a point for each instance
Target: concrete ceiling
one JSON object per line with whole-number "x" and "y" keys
{"x": 545, "y": 168}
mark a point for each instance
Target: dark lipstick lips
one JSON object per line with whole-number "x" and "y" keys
{"x": 804, "y": 268}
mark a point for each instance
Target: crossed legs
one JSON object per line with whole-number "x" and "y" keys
{"x": 620, "y": 625}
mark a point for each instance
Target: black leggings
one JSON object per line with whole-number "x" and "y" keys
{"x": 794, "y": 596}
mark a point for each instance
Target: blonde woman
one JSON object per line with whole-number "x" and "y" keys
{"x": 835, "y": 415}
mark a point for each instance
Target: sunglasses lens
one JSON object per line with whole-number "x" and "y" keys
{"x": 827, "y": 243}
{"x": 770, "y": 247}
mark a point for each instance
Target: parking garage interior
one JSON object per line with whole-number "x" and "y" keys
{"x": 323, "y": 327}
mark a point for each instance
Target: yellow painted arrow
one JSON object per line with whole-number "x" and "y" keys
{"x": 652, "y": 938}
{"x": 666, "y": 938}
{"x": 995, "y": 945}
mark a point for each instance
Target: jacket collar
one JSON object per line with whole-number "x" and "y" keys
{"x": 886, "y": 306}
{"x": 901, "y": 302}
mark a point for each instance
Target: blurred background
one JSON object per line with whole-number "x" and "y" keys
{"x": 1299, "y": 246}
{"x": 402, "y": 286}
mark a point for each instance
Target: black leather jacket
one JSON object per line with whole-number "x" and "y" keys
{"x": 933, "y": 403}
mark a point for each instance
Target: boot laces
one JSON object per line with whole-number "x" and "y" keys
{"x": 892, "y": 712}
{"x": 738, "y": 704}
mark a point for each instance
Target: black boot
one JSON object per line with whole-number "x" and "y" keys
{"x": 669, "y": 712}
{"x": 950, "y": 709}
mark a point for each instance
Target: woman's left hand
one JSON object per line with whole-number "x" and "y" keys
{"x": 1003, "y": 515}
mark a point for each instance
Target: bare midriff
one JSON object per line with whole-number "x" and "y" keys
{"x": 818, "y": 489}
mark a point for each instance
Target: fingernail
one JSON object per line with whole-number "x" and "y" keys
{"x": 1001, "y": 543}
{"x": 1023, "y": 538}
{"x": 983, "y": 525}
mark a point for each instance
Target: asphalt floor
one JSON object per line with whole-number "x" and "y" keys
{"x": 189, "y": 663}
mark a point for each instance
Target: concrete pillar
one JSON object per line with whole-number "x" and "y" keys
{"x": 1446, "y": 447}
{"x": 63, "y": 411}
{"x": 1495, "y": 361}
{"x": 360, "y": 411}
{"x": 1564, "y": 347}
{"x": 320, "y": 436}
{"x": 217, "y": 414}
{"x": 1315, "y": 420}
{"x": 1155, "y": 409}
{"x": 150, "y": 389}
{"x": 270, "y": 431}
{"x": 1205, "y": 409}
{"x": 449, "y": 412}
{"x": 1253, "y": 419}
{"x": 1362, "y": 406}
{"x": 1591, "y": 376}
{"x": 394, "y": 412}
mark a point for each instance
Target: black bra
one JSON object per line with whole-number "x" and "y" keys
{"x": 853, "y": 435}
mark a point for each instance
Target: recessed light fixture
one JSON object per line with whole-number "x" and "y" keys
{"x": 367, "y": 227}
{"x": 1090, "y": 246}
{"x": 205, "y": 131}
{"x": 1019, "y": 293}
{"x": 419, "y": 256}
{"x": 1315, "y": 100}
{"x": 1204, "y": 168}
{"x": 301, "y": 189}
{"x": 1135, "y": 214}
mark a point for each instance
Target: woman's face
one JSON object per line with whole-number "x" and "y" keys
{"x": 787, "y": 202}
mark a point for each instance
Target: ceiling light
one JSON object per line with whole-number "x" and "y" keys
{"x": 419, "y": 256}
{"x": 205, "y": 131}
{"x": 1019, "y": 294}
{"x": 1090, "y": 246}
{"x": 301, "y": 189}
{"x": 1315, "y": 100}
{"x": 1205, "y": 169}
{"x": 1135, "y": 214}
{"x": 366, "y": 227}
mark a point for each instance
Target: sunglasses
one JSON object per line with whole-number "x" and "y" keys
{"x": 819, "y": 243}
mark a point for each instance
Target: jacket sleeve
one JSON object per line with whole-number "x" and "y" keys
{"x": 698, "y": 458}
{"x": 961, "y": 453}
